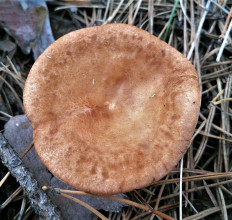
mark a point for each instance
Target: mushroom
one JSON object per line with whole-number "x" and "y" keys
{"x": 113, "y": 108}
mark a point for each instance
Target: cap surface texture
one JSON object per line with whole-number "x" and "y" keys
{"x": 113, "y": 108}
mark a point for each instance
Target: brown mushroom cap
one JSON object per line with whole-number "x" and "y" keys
{"x": 113, "y": 108}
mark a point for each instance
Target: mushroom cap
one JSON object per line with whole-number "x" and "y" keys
{"x": 113, "y": 108}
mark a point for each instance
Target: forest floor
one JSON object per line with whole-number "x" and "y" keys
{"x": 201, "y": 30}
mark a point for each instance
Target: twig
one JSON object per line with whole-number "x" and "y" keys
{"x": 222, "y": 100}
{"x": 11, "y": 197}
{"x": 219, "y": 6}
{"x": 195, "y": 189}
{"x": 129, "y": 3}
{"x": 4, "y": 179}
{"x": 160, "y": 194}
{"x": 211, "y": 196}
{"x": 13, "y": 67}
{"x": 85, "y": 205}
{"x": 180, "y": 191}
{"x": 196, "y": 178}
{"x": 21, "y": 212}
{"x": 224, "y": 42}
{"x": 114, "y": 13}
{"x": 38, "y": 198}
{"x": 150, "y": 15}
{"x": 223, "y": 204}
{"x": 217, "y": 96}
{"x": 191, "y": 205}
{"x": 14, "y": 92}
{"x": 22, "y": 156}
{"x": 118, "y": 199}
{"x": 226, "y": 24}
{"x": 205, "y": 213}
{"x": 199, "y": 30}
{"x": 184, "y": 11}
{"x": 214, "y": 136}
{"x": 136, "y": 11}
{"x": 205, "y": 138}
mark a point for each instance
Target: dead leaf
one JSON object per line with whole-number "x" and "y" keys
{"x": 7, "y": 46}
{"x": 24, "y": 20}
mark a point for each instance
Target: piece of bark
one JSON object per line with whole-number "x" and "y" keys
{"x": 38, "y": 198}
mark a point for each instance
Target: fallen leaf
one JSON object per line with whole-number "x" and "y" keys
{"x": 7, "y": 46}
{"x": 28, "y": 23}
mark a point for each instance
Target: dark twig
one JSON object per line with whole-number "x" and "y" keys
{"x": 38, "y": 198}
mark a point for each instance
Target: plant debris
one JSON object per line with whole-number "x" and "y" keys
{"x": 28, "y": 23}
